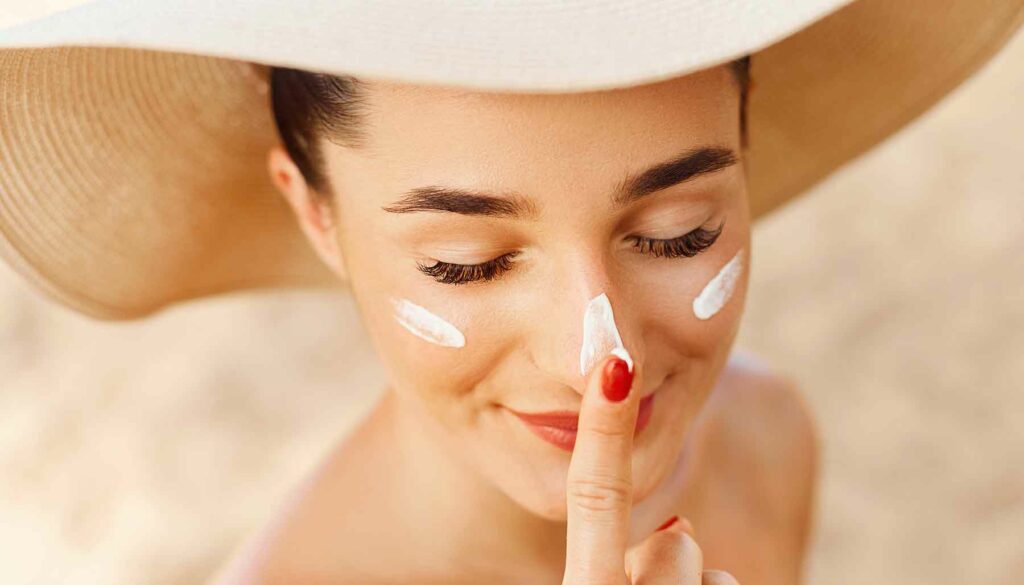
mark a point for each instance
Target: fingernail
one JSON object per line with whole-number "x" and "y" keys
{"x": 617, "y": 379}
{"x": 668, "y": 523}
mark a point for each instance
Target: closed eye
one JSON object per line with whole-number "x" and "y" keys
{"x": 448, "y": 273}
{"x": 689, "y": 244}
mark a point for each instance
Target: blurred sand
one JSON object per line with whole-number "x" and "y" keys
{"x": 142, "y": 452}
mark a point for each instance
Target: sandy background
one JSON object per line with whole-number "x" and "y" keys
{"x": 142, "y": 452}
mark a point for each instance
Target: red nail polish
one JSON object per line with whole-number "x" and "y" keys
{"x": 668, "y": 523}
{"x": 617, "y": 379}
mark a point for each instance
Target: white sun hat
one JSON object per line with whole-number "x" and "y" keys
{"x": 133, "y": 133}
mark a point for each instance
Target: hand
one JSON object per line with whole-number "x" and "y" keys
{"x": 599, "y": 495}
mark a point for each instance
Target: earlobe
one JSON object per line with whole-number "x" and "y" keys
{"x": 313, "y": 215}
{"x": 328, "y": 247}
{"x": 279, "y": 167}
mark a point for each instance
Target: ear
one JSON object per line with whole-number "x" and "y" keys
{"x": 314, "y": 214}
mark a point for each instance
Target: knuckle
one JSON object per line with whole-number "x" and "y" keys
{"x": 714, "y": 577}
{"x": 690, "y": 548}
{"x": 668, "y": 537}
{"x": 600, "y": 494}
{"x": 678, "y": 542}
{"x": 664, "y": 546}
{"x": 666, "y": 553}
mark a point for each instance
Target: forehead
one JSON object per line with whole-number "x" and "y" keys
{"x": 419, "y": 134}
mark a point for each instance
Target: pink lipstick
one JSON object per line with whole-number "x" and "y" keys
{"x": 559, "y": 428}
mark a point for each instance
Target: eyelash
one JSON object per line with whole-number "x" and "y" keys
{"x": 687, "y": 245}
{"x": 447, "y": 273}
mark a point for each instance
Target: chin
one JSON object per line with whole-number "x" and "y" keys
{"x": 545, "y": 497}
{"x": 533, "y": 473}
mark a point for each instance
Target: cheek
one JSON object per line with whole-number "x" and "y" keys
{"x": 432, "y": 350}
{"x": 719, "y": 290}
{"x": 694, "y": 306}
{"x": 425, "y": 324}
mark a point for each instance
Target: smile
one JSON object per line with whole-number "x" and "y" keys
{"x": 559, "y": 428}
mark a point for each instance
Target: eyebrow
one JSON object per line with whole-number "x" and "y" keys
{"x": 685, "y": 167}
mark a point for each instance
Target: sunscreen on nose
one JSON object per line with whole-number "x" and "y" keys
{"x": 600, "y": 336}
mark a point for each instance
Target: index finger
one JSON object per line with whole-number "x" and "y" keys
{"x": 599, "y": 489}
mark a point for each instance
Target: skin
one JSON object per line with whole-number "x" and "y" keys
{"x": 440, "y": 470}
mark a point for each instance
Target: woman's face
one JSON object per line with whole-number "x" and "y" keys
{"x": 570, "y": 189}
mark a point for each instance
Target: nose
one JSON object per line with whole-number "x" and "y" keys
{"x": 585, "y": 315}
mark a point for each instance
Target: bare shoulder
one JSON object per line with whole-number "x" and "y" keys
{"x": 764, "y": 411}
{"x": 303, "y": 540}
{"x": 762, "y": 444}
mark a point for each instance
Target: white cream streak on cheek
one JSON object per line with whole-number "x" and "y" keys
{"x": 718, "y": 290}
{"x": 600, "y": 336}
{"x": 426, "y": 325}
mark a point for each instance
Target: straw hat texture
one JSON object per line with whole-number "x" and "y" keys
{"x": 134, "y": 133}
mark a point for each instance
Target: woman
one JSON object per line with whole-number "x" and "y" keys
{"x": 646, "y": 212}
{"x": 582, "y": 254}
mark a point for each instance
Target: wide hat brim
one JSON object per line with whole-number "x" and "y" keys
{"x": 133, "y": 134}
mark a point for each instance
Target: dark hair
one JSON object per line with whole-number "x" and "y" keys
{"x": 309, "y": 105}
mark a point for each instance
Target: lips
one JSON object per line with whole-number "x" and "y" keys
{"x": 559, "y": 428}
